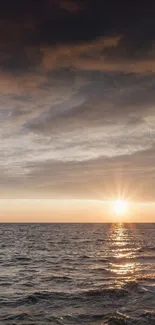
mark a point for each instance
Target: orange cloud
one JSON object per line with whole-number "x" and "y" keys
{"x": 70, "y": 55}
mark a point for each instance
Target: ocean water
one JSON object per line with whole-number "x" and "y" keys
{"x": 77, "y": 274}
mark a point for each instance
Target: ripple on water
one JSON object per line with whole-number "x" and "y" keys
{"x": 77, "y": 274}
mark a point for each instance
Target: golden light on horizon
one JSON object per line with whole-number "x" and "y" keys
{"x": 120, "y": 207}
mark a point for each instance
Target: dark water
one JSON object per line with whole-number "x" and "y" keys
{"x": 77, "y": 274}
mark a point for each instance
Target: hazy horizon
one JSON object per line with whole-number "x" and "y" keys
{"x": 74, "y": 211}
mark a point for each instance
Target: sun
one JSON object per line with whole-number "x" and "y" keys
{"x": 120, "y": 207}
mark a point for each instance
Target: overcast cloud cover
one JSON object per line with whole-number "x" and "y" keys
{"x": 77, "y": 100}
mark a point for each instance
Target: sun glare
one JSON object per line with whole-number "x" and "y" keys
{"x": 120, "y": 207}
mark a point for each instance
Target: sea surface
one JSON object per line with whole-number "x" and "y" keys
{"x": 77, "y": 274}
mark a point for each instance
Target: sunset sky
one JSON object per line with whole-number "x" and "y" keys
{"x": 77, "y": 109}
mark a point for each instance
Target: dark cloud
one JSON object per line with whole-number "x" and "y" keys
{"x": 54, "y": 33}
{"x": 105, "y": 100}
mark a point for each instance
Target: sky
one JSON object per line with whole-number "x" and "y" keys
{"x": 77, "y": 108}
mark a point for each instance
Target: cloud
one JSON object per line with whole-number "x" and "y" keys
{"x": 104, "y": 101}
{"x": 132, "y": 66}
{"x": 99, "y": 178}
{"x": 76, "y": 136}
{"x": 76, "y": 118}
{"x": 119, "y": 53}
{"x": 105, "y": 54}
{"x": 71, "y": 6}
{"x": 68, "y": 55}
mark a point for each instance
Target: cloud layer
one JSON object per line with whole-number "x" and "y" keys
{"x": 77, "y": 118}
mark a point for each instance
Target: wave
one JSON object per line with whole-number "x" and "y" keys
{"x": 81, "y": 295}
{"x": 112, "y": 292}
{"x": 130, "y": 258}
{"x": 85, "y": 256}
{"x": 21, "y": 259}
{"x": 149, "y": 288}
{"x": 146, "y": 248}
{"x": 117, "y": 318}
{"x": 17, "y": 317}
{"x": 39, "y": 296}
{"x": 84, "y": 318}
{"x": 58, "y": 278}
{"x": 64, "y": 275}
{"x": 147, "y": 277}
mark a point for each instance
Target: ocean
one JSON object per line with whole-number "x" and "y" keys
{"x": 77, "y": 274}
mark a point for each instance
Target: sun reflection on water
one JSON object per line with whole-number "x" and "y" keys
{"x": 123, "y": 251}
